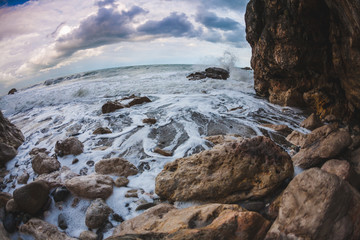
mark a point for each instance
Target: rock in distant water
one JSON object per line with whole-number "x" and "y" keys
{"x": 42, "y": 230}
{"x": 36, "y": 195}
{"x": 97, "y": 214}
{"x": 205, "y": 222}
{"x": 111, "y": 107}
{"x": 12, "y": 91}
{"x": 213, "y": 72}
{"x": 10, "y": 139}
{"x": 228, "y": 173}
{"x": 69, "y": 146}
{"x": 138, "y": 100}
{"x": 42, "y": 163}
{"x": 91, "y": 186}
{"x": 115, "y": 166}
{"x": 317, "y": 205}
{"x": 305, "y": 51}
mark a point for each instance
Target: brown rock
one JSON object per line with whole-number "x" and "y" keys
{"x": 4, "y": 198}
{"x": 317, "y": 205}
{"x": 163, "y": 152}
{"x": 296, "y": 138}
{"x": 69, "y": 146}
{"x": 111, "y": 107}
{"x": 220, "y": 139}
{"x": 36, "y": 195}
{"x": 90, "y": 186}
{"x": 312, "y": 122}
{"x": 343, "y": 170}
{"x": 97, "y": 214}
{"x": 88, "y": 235}
{"x": 324, "y": 143}
{"x": 6, "y": 153}
{"x": 278, "y": 128}
{"x": 102, "y": 130}
{"x": 211, "y": 221}
{"x": 12, "y": 91}
{"x": 138, "y": 100}
{"x": 11, "y": 206}
{"x": 231, "y": 172}
{"x": 23, "y": 178}
{"x": 58, "y": 178}
{"x": 42, "y": 230}
{"x": 355, "y": 160}
{"x": 42, "y": 163}
{"x": 35, "y": 151}
{"x": 115, "y": 166}
{"x": 149, "y": 120}
{"x": 121, "y": 182}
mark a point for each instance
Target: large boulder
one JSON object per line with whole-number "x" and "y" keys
{"x": 317, "y": 205}
{"x": 10, "y": 139}
{"x": 115, "y": 166}
{"x": 211, "y": 221}
{"x": 58, "y": 178}
{"x": 32, "y": 197}
{"x": 312, "y": 122}
{"x": 43, "y": 163}
{"x": 42, "y": 230}
{"x": 91, "y": 186}
{"x": 97, "y": 214}
{"x": 228, "y": 173}
{"x": 69, "y": 146}
{"x": 212, "y": 72}
{"x": 323, "y": 143}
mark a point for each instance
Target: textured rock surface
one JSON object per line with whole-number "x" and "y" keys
{"x": 87, "y": 235}
{"x": 102, "y": 130}
{"x": 317, "y": 205}
{"x": 296, "y": 138}
{"x": 97, "y": 214}
{"x": 312, "y": 122}
{"x": 322, "y": 144}
{"x": 306, "y": 51}
{"x": 227, "y": 173}
{"x": 42, "y": 230}
{"x": 42, "y": 163}
{"x": 91, "y": 186}
{"x": 23, "y": 178}
{"x": 115, "y": 166}
{"x": 36, "y": 195}
{"x": 69, "y": 146}
{"x": 10, "y": 139}
{"x": 111, "y": 107}
{"x": 58, "y": 178}
{"x": 211, "y": 221}
{"x": 212, "y": 72}
{"x": 343, "y": 170}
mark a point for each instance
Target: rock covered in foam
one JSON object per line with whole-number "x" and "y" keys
{"x": 69, "y": 146}
{"x": 115, "y": 166}
{"x": 230, "y": 172}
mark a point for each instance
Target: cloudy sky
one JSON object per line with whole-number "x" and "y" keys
{"x": 41, "y": 39}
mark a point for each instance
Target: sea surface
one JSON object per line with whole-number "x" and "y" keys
{"x": 186, "y": 112}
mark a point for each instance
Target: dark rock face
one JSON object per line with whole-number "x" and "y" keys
{"x": 12, "y": 91}
{"x": 213, "y": 72}
{"x": 304, "y": 52}
{"x": 10, "y": 139}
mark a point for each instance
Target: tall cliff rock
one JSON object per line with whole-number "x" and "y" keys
{"x": 306, "y": 52}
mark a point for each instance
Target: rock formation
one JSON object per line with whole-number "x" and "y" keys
{"x": 307, "y": 52}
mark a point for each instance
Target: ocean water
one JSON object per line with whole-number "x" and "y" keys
{"x": 186, "y": 112}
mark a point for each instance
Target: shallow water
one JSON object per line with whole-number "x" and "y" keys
{"x": 186, "y": 111}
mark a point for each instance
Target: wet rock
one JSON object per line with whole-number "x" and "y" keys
{"x": 331, "y": 118}
{"x": 211, "y": 221}
{"x": 111, "y": 107}
{"x": 60, "y": 194}
{"x": 83, "y": 171}
{"x": 88, "y": 235}
{"x": 91, "y": 186}
{"x": 163, "y": 152}
{"x": 42, "y": 230}
{"x": 11, "y": 222}
{"x": 145, "y": 206}
{"x": 90, "y": 163}
{"x": 343, "y": 170}
{"x": 97, "y": 214}
{"x": 279, "y": 128}
{"x": 296, "y": 138}
{"x": 220, "y": 139}
{"x": 11, "y": 206}
{"x": 133, "y": 193}
{"x": 196, "y": 76}
{"x": 212, "y": 72}
{"x": 4, "y": 198}
{"x": 323, "y": 143}
{"x": 115, "y": 166}
{"x": 12, "y": 91}
{"x": 317, "y": 205}
{"x": 10, "y": 139}
{"x": 36, "y": 195}
{"x": 116, "y": 217}
{"x": 121, "y": 182}
{"x": 35, "y": 151}
{"x": 69, "y": 146}
{"x": 62, "y": 222}
{"x": 58, "y": 178}
{"x": 138, "y": 100}
{"x": 149, "y": 121}
{"x": 228, "y": 173}
{"x": 102, "y": 130}
{"x": 42, "y": 163}
{"x": 23, "y": 178}
{"x": 143, "y": 166}
{"x": 75, "y": 161}
{"x": 312, "y": 122}
{"x": 75, "y": 202}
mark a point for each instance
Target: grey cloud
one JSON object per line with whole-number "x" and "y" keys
{"x": 105, "y": 3}
{"x": 238, "y": 5}
{"x": 211, "y": 20}
{"x": 175, "y": 25}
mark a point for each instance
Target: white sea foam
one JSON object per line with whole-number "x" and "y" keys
{"x": 186, "y": 111}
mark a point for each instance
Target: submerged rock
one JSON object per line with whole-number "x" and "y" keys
{"x": 102, "y": 130}
{"x": 228, "y": 173}
{"x": 205, "y": 222}
{"x": 42, "y": 230}
{"x": 115, "y": 166}
{"x": 97, "y": 214}
{"x": 111, "y": 107}
{"x": 91, "y": 186}
{"x": 42, "y": 163}
{"x": 69, "y": 146}
{"x": 317, "y": 205}
{"x": 36, "y": 195}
